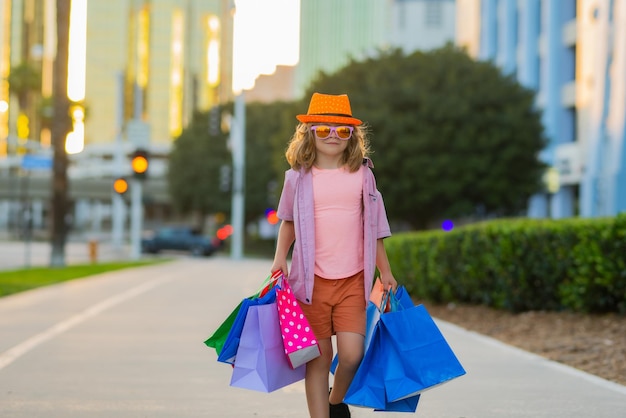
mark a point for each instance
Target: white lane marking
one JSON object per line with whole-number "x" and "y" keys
{"x": 24, "y": 347}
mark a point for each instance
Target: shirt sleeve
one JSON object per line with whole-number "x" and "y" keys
{"x": 287, "y": 196}
{"x": 384, "y": 230}
{"x": 380, "y": 213}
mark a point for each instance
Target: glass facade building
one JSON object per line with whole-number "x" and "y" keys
{"x": 173, "y": 58}
{"x": 332, "y": 32}
{"x": 138, "y": 70}
{"x": 572, "y": 53}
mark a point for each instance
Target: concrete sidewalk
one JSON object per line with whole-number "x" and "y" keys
{"x": 129, "y": 344}
{"x": 503, "y": 381}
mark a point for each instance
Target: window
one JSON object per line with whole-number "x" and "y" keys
{"x": 434, "y": 13}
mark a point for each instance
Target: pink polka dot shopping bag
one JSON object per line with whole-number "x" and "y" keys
{"x": 299, "y": 341}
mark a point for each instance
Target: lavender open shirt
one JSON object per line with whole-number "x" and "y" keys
{"x": 296, "y": 204}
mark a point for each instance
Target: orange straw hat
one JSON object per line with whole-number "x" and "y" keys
{"x": 330, "y": 109}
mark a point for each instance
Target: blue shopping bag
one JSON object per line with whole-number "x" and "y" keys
{"x": 229, "y": 350}
{"x": 417, "y": 355}
{"x": 368, "y": 386}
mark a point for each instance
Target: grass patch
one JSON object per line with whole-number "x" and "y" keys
{"x": 14, "y": 281}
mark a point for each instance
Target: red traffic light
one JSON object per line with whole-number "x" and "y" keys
{"x": 224, "y": 232}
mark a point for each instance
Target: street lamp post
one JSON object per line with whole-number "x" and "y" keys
{"x": 136, "y": 218}
{"x": 139, "y": 165}
{"x": 238, "y": 143}
{"x": 118, "y": 216}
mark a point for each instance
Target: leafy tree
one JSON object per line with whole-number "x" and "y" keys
{"x": 24, "y": 79}
{"x": 196, "y": 160}
{"x": 194, "y": 170}
{"x": 268, "y": 129}
{"x": 451, "y": 136}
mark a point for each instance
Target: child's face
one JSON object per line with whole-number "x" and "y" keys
{"x": 331, "y": 144}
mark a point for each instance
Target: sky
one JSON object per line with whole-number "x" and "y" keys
{"x": 266, "y": 34}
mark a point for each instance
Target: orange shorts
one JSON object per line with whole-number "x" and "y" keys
{"x": 337, "y": 306}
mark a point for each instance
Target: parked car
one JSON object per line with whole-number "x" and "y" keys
{"x": 178, "y": 239}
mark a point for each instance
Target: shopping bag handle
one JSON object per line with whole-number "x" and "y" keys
{"x": 269, "y": 282}
{"x": 277, "y": 277}
{"x": 390, "y": 299}
{"x": 384, "y": 301}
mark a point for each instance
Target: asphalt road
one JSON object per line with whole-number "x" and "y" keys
{"x": 130, "y": 344}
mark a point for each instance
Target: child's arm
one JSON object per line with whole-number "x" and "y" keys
{"x": 382, "y": 262}
{"x": 286, "y": 237}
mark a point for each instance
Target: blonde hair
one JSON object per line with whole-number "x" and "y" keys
{"x": 301, "y": 151}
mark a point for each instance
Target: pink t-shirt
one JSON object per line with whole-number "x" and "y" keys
{"x": 337, "y": 197}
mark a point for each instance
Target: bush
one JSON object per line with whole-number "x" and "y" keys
{"x": 518, "y": 264}
{"x": 597, "y": 278}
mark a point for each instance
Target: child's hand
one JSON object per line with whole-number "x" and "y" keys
{"x": 388, "y": 281}
{"x": 280, "y": 265}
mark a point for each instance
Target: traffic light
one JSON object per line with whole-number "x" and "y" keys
{"x": 139, "y": 163}
{"x": 120, "y": 185}
{"x": 23, "y": 126}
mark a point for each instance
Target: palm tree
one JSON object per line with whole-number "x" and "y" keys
{"x": 24, "y": 79}
{"x": 61, "y": 126}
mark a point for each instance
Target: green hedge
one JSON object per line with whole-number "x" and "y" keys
{"x": 518, "y": 264}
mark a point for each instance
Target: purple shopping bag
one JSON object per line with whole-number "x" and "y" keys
{"x": 261, "y": 363}
{"x": 228, "y": 350}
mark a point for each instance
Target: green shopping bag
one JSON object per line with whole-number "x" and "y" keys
{"x": 218, "y": 338}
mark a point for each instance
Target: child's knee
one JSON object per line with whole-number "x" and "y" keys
{"x": 350, "y": 359}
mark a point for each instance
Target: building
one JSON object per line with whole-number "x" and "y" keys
{"x": 421, "y": 24}
{"x": 573, "y": 54}
{"x": 138, "y": 71}
{"x": 275, "y": 87}
{"x": 334, "y": 32}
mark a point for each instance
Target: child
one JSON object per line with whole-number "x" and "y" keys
{"x": 332, "y": 212}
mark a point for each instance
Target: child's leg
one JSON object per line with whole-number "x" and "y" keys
{"x": 316, "y": 380}
{"x": 349, "y": 353}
